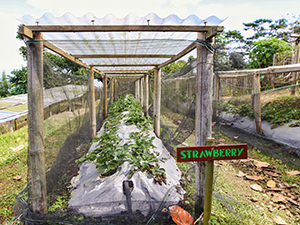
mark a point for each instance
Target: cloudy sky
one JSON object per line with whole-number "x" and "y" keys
{"x": 236, "y": 12}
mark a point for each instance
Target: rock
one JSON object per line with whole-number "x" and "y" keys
{"x": 271, "y": 184}
{"x": 240, "y": 174}
{"x": 278, "y": 220}
{"x": 254, "y": 199}
{"x": 255, "y": 178}
{"x": 277, "y": 198}
{"x": 271, "y": 174}
{"x": 293, "y": 173}
{"x": 259, "y": 164}
{"x": 17, "y": 178}
{"x": 256, "y": 187}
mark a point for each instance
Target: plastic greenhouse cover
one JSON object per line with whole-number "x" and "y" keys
{"x": 133, "y": 43}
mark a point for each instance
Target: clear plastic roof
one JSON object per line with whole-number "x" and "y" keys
{"x": 103, "y": 48}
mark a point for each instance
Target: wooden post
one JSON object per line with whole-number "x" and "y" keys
{"x": 141, "y": 91}
{"x": 138, "y": 90}
{"x": 135, "y": 89}
{"x": 209, "y": 173}
{"x": 92, "y": 103}
{"x": 216, "y": 88}
{"x": 295, "y": 61}
{"x": 202, "y": 115}
{"x": 105, "y": 98}
{"x": 111, "y": 98}
{"x": 256, "y": 103}
{"x": 16, "y": 124}
{"x": 157, "y": 101}
{"x": 146, "y": 94}
{"x": 37, "y": 171}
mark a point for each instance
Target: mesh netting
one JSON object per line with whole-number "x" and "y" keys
{"x": 67, "y": 132}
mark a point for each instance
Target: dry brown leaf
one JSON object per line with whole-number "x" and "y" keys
{"x": 278, "y": 198}
{"x": 255, "y": 178}
{"x": 17, "y": 178}
{"x": 256, "y": 187}
{"x": 293, "y": 173}
{"x": 278, "y": 220}
{"x": 271, "y": 184}
{"x": 260, "y": 164}
{"x": 240, "y": 174}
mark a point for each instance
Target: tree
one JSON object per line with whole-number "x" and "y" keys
{"x": 18, "y": 81}
{"x": 4, "y": 86}
{"x": 261, "y": 55}
{"x": 229, "y": 52}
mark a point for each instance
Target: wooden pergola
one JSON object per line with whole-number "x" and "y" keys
{"x": 35, "y": 43}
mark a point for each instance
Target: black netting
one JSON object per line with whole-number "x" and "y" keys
{"x": 67, "y": 132}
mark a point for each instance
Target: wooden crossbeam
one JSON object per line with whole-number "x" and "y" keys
{"x": 124, "y": 56}
{"x": 122, "y": 28}
{"x": 264, "y": 71}
{"x": 125, "y": 65}
{"x": 122, "y": 71}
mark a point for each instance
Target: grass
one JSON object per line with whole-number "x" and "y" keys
{"x": 14, "y": 163}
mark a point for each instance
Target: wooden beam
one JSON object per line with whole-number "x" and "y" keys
{"x": 36, "y": 152}
{"x": 105, "y": 98}
{"x": 23, "y": 30}
{"x": 202, "y": 115}
{"x": 157, "y": 101}
{"x": 188, "y": 49}
{"x": 213, "y": 31}
{"x": 125, "y": 76}
{"x": 146, "y": 94}
{"x": 92, "y": 103}
{"x": 124, "y": 56}
{"x": 122, "y": 28}
{"x": 111, "y": 97}
{"x": 141, "y": 91}
{"x": 125, "y": 65}
{"x": 256, "y": 102}
{"x": 295, "y": 61}
{"x": 125, "y": 71}
{"x": 264, "y": 71}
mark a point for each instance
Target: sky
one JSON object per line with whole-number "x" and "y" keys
{"x": 234, "y": 11}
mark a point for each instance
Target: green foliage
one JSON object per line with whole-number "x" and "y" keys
{"x": 261, "y": 55}
{"x": 4, "y": 87}
{"x": 109, "y": 155}
{"x": 282, "y": 110}
{"x": 18, "y": 82}
{"x": 173, "y": 67}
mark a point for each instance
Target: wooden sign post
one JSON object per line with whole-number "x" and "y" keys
{"x": 209, "y": 154}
